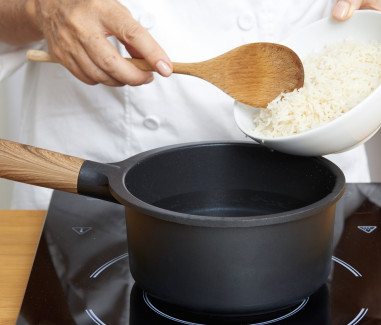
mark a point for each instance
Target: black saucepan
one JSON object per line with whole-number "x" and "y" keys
{"x": 222, "y": 227}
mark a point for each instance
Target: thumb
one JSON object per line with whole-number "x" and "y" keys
{"x": 343, "y": 9}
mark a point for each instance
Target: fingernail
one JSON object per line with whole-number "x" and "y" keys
{"x": 341, "y": 9}
{"x": 163, "y": 68}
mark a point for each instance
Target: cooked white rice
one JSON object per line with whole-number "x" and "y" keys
{"x": 336, "y": 80}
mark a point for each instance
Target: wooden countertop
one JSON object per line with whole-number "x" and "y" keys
{"x": 20, "y": 232}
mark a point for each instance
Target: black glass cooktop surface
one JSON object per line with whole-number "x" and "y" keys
{"x": 81, "y": 274}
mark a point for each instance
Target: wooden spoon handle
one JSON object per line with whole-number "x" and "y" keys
{"x": 182, "y": 68}
{"x": 35, "y": 166}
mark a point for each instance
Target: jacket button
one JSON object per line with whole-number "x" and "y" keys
{"x": 151, "y": 122}
{"x": 147, "y": 21}
{"x": 245, "y": 21}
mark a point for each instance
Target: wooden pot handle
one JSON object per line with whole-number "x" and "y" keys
{"x": 35, "y": 166}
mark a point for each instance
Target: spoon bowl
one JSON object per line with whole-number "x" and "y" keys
{"x": 253, "y": 74}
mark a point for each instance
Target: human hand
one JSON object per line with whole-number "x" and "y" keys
{"x": 76, "y": 33}
{"x": 343, "y": 9}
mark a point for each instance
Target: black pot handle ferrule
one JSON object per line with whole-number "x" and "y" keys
{"x": 93, "y": 180}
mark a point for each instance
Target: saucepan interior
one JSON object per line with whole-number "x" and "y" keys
{"x": 230, "y": 183}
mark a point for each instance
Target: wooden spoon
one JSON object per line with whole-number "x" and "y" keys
{"x": 253, "y": 74}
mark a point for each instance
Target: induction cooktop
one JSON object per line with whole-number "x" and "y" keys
{"x": 81, "y": 274}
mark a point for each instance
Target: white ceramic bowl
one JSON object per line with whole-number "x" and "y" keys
{"x": 346, "y": 132}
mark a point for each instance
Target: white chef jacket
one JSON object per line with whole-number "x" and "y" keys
{"x": 109, "y": 124}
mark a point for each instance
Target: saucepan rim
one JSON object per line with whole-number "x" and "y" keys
{"x": 120, "y": 191}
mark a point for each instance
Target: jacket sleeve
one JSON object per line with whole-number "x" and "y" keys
{"x": 12, "y": 57}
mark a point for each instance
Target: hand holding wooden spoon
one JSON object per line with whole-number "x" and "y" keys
{"x": 253, "y": 74}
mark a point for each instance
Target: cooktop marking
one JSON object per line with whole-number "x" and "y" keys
{"x": 347, "y": 266}
{"x": 94, "y": 317}
{"x": 304, "y": 302}
{"x": 97, "y": 321}
{"x": 157, "y": 311}
{"x": 81, "y": 230}
{"x": 106, "y": 265}
{"x": 150, "y": 305}
{"x": 363, "y": 311}
{"x": 367, "y": 229}
{"x": 359, "y": 317}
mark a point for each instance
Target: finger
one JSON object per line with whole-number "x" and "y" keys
{"x": 93, "y": 72}
{"x": 371, "y": 4}
{"x": 106, "y": 58}
{"x": 131, "y": 33}
{"x": 343, "y": 9}
{"x": 68, "y": 61}
{"x": 134, "y": 53}
{"x": 80, "y": 65}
